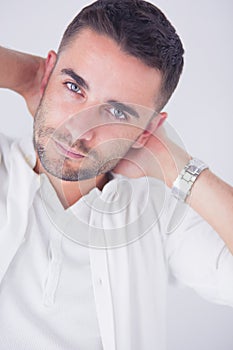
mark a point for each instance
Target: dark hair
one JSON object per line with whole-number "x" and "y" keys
{"x": 141, "y": 30}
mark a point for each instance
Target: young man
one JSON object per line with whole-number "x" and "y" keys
{"x": 101, "y": 99}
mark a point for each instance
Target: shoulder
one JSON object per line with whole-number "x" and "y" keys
{"x": 20, "y": 149}
{"x": 16, "y": 174}
{"x": 5, "y": 149}
{"x": 143, "y": 187}
{"x": 5, "y": 143}
{"x": 127, "y": 209}
{"x": 134, "y": 193}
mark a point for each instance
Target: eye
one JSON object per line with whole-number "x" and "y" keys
{"x": 118, "y": 113}
{"x": 74, "y": 88}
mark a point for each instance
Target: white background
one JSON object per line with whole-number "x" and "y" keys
{"x": 200, "y": 111}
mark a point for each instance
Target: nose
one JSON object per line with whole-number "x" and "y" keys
{"x": 83, "y": 125}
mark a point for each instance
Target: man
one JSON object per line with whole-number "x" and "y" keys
{"x": 87, "y": 120}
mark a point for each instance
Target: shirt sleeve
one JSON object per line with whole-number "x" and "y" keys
{"x": 197, "y": 256}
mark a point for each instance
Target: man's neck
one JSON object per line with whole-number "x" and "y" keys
{"x": 69, "y": 192}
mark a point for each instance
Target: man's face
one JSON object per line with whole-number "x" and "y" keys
{"x": 96, "y": 104}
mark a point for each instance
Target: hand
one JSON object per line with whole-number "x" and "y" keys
{"x": 160, "y": 157}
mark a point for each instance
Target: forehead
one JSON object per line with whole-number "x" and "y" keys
{"x": 110, "y": 72}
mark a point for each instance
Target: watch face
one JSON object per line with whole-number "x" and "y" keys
{"x": 192, "y": 169}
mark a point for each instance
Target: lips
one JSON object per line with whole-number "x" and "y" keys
{"x": 68, "y": 151}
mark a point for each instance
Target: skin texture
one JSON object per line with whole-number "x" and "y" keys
{"x": 78, "y": 133}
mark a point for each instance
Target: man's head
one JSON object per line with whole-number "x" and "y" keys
{"x": 141, "y": 30}
{"x": 118, "y": 63}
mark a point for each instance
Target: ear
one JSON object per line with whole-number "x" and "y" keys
{"x": 154, "y": 124}
{"x": 49, "y": 65}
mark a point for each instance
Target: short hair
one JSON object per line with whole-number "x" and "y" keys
{"x": 141, "y": 30}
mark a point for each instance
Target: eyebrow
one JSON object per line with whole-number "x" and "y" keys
{"x": 79, "y": 80}
{"x": 82, "y": 83}
{"x": 124, "y": 107}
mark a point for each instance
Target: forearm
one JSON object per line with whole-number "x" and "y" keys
{"x": 22, "y": 73}
{"x": 17, "y": 70}
{"x": 210, "y": 196}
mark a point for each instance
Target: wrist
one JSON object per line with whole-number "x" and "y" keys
{"x": 175, "y": 160}
{"x": 183, "y": 184}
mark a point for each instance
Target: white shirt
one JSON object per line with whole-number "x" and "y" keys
{"x": 94, "y": 276}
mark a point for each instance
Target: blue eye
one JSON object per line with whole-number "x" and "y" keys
{"x": 118, "y": 114}
{"x": 74, "y": 88}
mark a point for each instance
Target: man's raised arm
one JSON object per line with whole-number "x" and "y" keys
{"x": 22, "y": 73}
{"x": 210, "y": 196}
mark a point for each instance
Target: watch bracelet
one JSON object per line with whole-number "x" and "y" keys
{"x": 183, "y": 184}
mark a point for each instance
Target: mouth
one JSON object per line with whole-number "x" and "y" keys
{"x": 67, "y": 151}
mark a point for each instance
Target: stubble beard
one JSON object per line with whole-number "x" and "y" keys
{"x": 62, "y": 167}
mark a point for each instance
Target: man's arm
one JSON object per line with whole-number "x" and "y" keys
{"x": 210, "y": 196}
{"x": 22, "y": 73}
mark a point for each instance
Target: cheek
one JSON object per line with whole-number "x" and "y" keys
{"x": 54, "y": 113}
{"x": 118, "y": 131}
{"x": 114, "y": 141}
{"x": 56, "y": 107}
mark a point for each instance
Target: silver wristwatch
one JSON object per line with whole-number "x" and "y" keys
{"x": 183, "y": 184}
